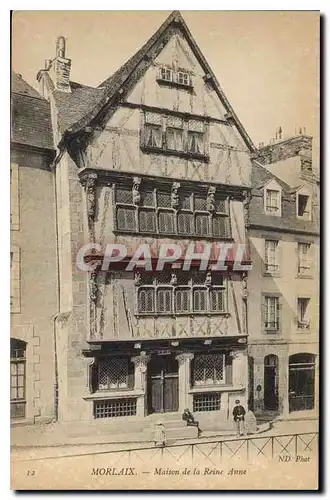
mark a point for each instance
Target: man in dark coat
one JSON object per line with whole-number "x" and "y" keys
{"x": 190, "y": 419}
{"x": 239, "y": 414}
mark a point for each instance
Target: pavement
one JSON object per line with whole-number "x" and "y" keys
{"x": 37, "y": 442}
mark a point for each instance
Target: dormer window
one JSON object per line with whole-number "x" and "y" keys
{"x": 303, "y": 206}
{"x": 273, "y": 202}
{"x": 183, "y": 78}
{"x": 166, "y": 74}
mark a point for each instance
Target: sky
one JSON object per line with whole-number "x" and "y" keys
{"x": 267, "y": 62}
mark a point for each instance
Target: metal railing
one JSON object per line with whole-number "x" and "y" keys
{"x": 284, "y": 448}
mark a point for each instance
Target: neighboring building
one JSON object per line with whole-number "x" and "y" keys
{"x": 33, "y": 261}
{"x": 154, "y": 154}
{"x": 284, "y": 281}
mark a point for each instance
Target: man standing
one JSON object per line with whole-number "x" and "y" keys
{"x": 239, "y": 414}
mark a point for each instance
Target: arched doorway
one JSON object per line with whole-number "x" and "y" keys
{"x": 271, "y": 382}
{"x": 301, "y": 382}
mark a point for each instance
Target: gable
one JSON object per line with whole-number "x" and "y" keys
{"x": 171, "y": 44}
{"x": 273, "y": 185}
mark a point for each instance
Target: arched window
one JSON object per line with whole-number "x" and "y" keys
{"x": 17, "y": 378}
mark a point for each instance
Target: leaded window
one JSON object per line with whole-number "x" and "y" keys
{"x": 209, "y": 369}
{"x": 164, "y": 300}
{"x": 154, "y": 213}
{"x": 186, "y": 294}
{"x": 174, "y": 134}
{"x": 115, "y": 373}
{"x": 202, "y": 224}
{"x": 126, "y": 219}
{"x": 182, "y": 300}
{"x": 166, "y": 221}
{"x": 147, "y": 221}
{"x": 146, "y": 300}
{"x": 200, "y": 299}
{"x": 17, "y": 379}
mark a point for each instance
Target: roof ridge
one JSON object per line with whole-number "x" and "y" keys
{"x": 256, "y": 163}
{"x": 41, "y": 98}
{"x": 113, "y": 84}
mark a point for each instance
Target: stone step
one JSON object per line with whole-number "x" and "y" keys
{"x": 172, "y": 433}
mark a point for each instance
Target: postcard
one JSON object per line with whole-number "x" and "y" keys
{"x": 165, "y": 204}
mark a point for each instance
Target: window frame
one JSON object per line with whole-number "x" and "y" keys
{"x": 303, "y": 323}
{"x": 191, "y": 288}
{"x": 307, "y": 217}
{"x": 215, "y": 382}
{"x": 278, "y": 211}
{"x": 272, "y": 268}
{"x": 16, "y": 361}
{"x": 129, "y": 385}
{"x": 268, "y": 325}
{"x": 166, "y": 122}
{"x": 307, "y": 260}
{"x": 179, "y": 77}
{"x": 190, "y": 210}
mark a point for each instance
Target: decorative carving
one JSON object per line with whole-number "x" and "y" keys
{"x": 93, "y": 288}
{"x": 210, "y": 199}
{"x": 91, "y": 362}
{"x": 93, "y": 295}
{"x": 141, "y": 361}
{"x": 91, "y": 195}
{"x": 208, "y": 279}
{"x": 184, "y": 357}
{"x": 137, "y": 278}
{"x": 245, "y": 292}
{"x": 246, "y": 203}
{"x": 136, "y": 190}
{"x": 175, "y": 194}
{"x": 174, "y": 278}
{"x": 91, "y": 203}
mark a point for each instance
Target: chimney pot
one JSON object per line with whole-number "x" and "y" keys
{"x": 60, "y": 47}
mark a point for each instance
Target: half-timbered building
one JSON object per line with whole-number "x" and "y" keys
{"x": 155, "y": 154}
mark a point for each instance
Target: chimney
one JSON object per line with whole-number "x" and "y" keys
{"x": 279, "y": 133}
{"x": 56, "y": 73}
{"x": 61, "y": 67}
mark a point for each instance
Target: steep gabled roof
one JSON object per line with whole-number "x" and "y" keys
{"x": 31, "y": 123}
{"x": 72, "y": 107}
{"x": 108, "y": 90}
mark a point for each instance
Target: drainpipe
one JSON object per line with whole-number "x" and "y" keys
{"x": 56, "y": 391}
{"x": 56, "y": 385}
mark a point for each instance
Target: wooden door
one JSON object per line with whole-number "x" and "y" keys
{"x": 163, "y": 384}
